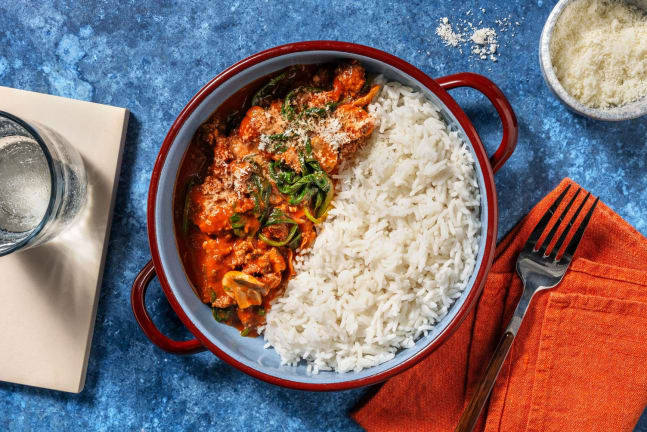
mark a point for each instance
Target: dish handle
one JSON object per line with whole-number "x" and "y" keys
{"x": 501, "y": 104}
{"x": 138, "y": 301}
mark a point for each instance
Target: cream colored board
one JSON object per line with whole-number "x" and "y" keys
{"x": 49, "y": 294}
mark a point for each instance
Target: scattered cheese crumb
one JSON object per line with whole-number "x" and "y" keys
{"x": 330, "y": 131}
{"x": 484, "y": 40}
{"x": 447, "y": 33}
{"x": 264, "y": 142}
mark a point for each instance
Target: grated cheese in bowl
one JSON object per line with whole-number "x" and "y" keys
{"x": 599, "y": 52}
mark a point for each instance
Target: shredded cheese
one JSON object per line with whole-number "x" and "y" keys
{"x": 264, "y": 142}
{"x": 330, "y": 131}
{"x": 599, "y": 52}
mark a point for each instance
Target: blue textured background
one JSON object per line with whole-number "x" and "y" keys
{"x": 151, "y": 57}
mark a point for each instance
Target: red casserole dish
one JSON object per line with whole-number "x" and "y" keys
{"x": 247, "y": 354}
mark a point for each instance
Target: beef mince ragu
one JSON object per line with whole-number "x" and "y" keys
{"x": 253, "y": 190}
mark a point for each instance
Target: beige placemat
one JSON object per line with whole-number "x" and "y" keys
{"x": 48, "y": 294}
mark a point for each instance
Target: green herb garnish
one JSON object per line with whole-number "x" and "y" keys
{"x": 279, "y": 137}
{"x": 312, "y": 219}
{"x": 262, "y": 96}
{"x": 319, "y": 179}
{"x": 279, "y": 147}
{"x": 221, "y": 315}
{"x": 237, "y": 222}
{"x": 320, "y": 112}
{"x": 279, "y": 142}
{"x": 278, "y": 217}
{"x": 288, "y": 109}
{"x": 312, "y": 185}
{"x": 321, "y": 210}
{"x": 298, "y": 197}
{"x": 282, "y": 175}
{"x": 332, "y": 106}
{"x": 295, "y": 242}
{"x": 261, "y": 191}
{"x": 279, "y": 243}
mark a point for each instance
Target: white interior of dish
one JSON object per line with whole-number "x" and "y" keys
{"x": 250, "y": 351}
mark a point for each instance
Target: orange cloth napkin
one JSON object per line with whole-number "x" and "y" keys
{"x": 579, "y": 362}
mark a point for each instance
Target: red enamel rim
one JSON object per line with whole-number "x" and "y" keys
{"x": 342, "y": 47}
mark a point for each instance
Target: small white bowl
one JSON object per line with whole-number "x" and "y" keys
{"x": 625, "y": 112}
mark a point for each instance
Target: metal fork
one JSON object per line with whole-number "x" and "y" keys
{"x": 538, "y": 270}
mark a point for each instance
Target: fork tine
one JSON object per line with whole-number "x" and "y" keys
{"x": 541, "y": 226}
{"x": 575, "y": 241}
{"x": 562, "y": 238}
{"x": 553, "y": 230}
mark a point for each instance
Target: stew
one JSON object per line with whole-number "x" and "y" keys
{"x": 259, "y": 176}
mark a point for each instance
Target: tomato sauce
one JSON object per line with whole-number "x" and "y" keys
{"x": 257, "y": 178}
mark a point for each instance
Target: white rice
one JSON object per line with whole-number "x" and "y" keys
{"x": 396, "y": 250}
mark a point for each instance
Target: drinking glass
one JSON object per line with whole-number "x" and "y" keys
{"x": 43, "y": 184}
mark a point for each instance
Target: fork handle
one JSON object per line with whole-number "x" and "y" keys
{"x": 472, "y": 413}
